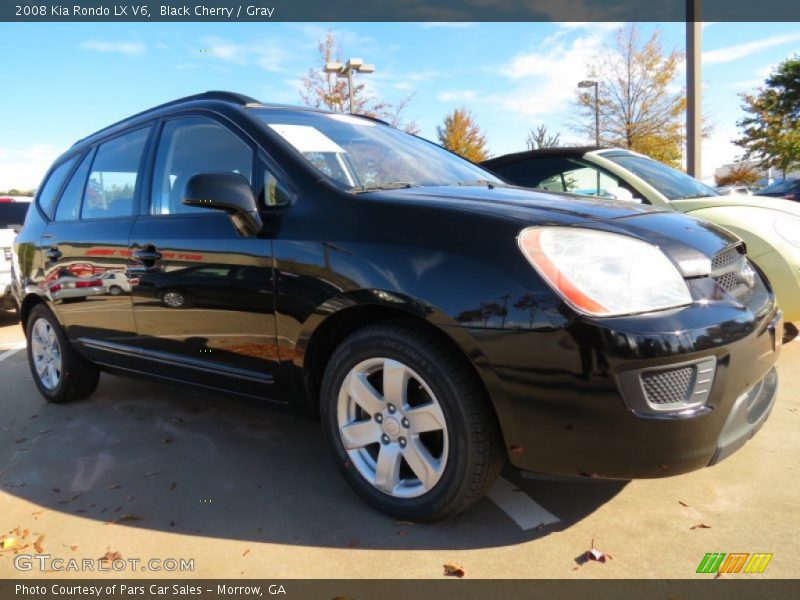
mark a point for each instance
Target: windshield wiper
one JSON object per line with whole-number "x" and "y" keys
{"x": 483, "y": 182}
{"x": 695, "y": 196}
{"x": 393, "y": 185}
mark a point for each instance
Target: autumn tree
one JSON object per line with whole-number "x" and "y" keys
{"x": 771, "y": 127}
{"x": 460, "y": 134}
{"x": 327, "y": 91}
{"x": 742, "y": 173}
{"x": 638, "y": 107}
{"x": 540, "y": 137}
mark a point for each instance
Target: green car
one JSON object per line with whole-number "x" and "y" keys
{"x": 769, "y": 226}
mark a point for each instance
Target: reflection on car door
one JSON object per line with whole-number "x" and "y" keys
{"x": 193, "y": 313}
{"x": 88, "y": 239}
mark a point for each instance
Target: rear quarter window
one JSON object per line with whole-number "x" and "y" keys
{"x": 49, "y": 192}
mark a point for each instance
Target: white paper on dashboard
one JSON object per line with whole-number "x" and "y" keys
{"x": 306, "y": 139}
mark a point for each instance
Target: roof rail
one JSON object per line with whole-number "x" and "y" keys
{"x": 220, "y": 95}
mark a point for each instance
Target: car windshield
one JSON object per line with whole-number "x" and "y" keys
{"x": 782, "y": 187}
{"x": 363, "y": 155}
{"x": 673, "y": 184}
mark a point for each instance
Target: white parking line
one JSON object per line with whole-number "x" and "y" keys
{"x": 519, "y": 506}
{"x": 14, "y": 349}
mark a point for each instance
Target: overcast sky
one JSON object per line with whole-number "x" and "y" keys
{"x": 66, "y": 81}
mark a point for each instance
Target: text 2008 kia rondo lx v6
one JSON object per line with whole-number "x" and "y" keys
{"x": 439, "y": 320}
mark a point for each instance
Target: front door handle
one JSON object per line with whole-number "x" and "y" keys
{"x": 52, "y": 254}
{"x": 150, "y": 255}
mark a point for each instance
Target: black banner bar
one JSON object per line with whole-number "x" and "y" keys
{"x": 396, "y": 10}
{"x": 752, "y": 588}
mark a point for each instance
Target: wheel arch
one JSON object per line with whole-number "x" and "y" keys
{"x": 326, "y": 330}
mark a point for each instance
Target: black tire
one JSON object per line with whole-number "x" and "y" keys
{"x": 79, "y": 377}
{"x": 476, "y": 453}
{"x": 115, "y": 290}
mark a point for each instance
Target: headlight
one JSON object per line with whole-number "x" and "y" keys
{"x": 789, "y": 229}
{"x": 604, "y": 274}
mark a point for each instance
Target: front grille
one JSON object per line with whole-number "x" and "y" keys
{"x": 671, "y": 386}
{"x": 727, "y": 271}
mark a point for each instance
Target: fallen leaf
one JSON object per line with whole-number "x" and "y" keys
{"x": 353, "y": 543}
{"x": 167, "y": 440}
{"x": 9, "y": 543}
{"x": 37, "y": 545}
{"x": 515, "y": 449}
{"x": 110, "y": 556}
{"x": 682, "y": 503}
{"x": 173, "y": 486}
{"x": 20, "y": 440}
{"x": 593, "y": 554}
{"x": 454, "y": 570}
{"x": 115, "y": 486}
{"x": 151, "y": 473}
{"x": 402, "y": 532}
{"x": 700, "y": 526}
{"x": 73, "y": 547}
{"x": 404, "y": 523}
{"x": 56, "y": 490}
{"x": 246, "y": 552}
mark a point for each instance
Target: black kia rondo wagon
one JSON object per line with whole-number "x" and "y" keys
{"x": 439, "y": 320}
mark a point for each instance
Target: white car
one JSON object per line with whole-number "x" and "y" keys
{"x": 12, "y": 216}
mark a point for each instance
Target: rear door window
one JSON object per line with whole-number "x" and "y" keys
{"x": 115, "y": 174}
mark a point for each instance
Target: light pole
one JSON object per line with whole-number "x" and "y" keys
{"x": 586, "y": 83}
{"x": 353, "y": 65}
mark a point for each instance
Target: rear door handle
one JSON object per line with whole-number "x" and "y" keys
{"x": 52, "y": 254}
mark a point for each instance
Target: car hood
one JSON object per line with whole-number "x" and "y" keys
{"x": 768, "y": 202}
{"x": 683, "y": 238}
{"x": 519, "y": 202}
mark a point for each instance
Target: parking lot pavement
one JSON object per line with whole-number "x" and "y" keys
{"x": 154, "y": 472}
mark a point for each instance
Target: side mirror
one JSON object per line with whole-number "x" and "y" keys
{"x": 229, "y": 192}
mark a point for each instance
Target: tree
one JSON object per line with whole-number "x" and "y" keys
{"x": 541, "y": 138}
{"x": 741, "y": 173}
{"x": 326, "y": 90}
{"x": 460, "y": 134}
{"x": 771, "y": 127}
{"x": 638, "y": 108}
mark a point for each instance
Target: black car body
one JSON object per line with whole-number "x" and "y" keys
{"x": 273, "y": 295}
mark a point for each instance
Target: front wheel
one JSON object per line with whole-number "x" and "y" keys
{"x": 408, "y": 423}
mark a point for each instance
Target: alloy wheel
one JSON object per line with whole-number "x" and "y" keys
{"x": 46, "y": 354}
{"x": 392, "y": 427}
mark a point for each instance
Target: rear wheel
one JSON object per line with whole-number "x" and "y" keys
{"x": 408, "y": 423}
{"x": 59, "y": 372}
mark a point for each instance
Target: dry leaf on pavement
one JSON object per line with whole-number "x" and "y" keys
{"x": 454, "y": 570}
{"x": 110, "y": 556}
{"x": 700, "y": 526}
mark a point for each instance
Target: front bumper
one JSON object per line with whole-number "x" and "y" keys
{"x": 562, "y": 406}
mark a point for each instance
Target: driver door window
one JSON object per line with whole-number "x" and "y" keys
{"x": 189, "y": 146}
